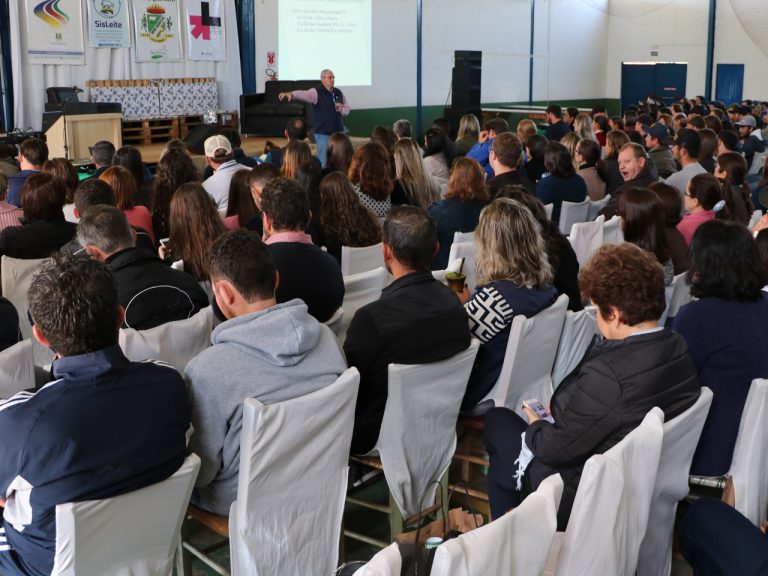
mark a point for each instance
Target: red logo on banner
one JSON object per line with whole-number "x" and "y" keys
{"x": 271, "y": 58}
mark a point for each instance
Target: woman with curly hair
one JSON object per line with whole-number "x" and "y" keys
{"x": 174, "y": 169}
{"x": 343, "y": 219}
{"x": 371, "y": 178}
{"x": 412, "y": 185}
{"x": 124, "y": 186}
{"x": 194, "y": 223}
{"x": 296, "y": 154}
{"x": 64, "y": 169}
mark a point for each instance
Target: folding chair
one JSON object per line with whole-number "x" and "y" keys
{"x": 335, "y": 322}
{"x": 291, "y": 484}
{"x": 358, "y": 260}
{"x": 548, "y": 208}
{"x": 679, "y": 294}
{"x": 595, "y": 206}
{"x": 610, "y": 513}
{"x": 514, "y": 545}
{"x": 755, "y": 218}
{"x": 681, "y": 435}
{"x": 586, "y": 238}
{"x": 359, "y": 290}
{"x": 134, "y": 534}
{"x": 17, "y": 369}
{"x": 578, "y": 331}
{"x": 612, "y": 233}
{"x": 463, "y": 237}
{"x": 418, "y": 436}
{"x": 386, "y": 562}
{"x": 571, "y": 213}
{"x": 465, "y": 250}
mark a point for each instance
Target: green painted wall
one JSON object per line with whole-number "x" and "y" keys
{"x": 361, "y": 122}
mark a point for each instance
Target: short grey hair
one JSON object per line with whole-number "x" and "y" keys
{"x": 105, "y": 227}
{"x": 402, "y": 128}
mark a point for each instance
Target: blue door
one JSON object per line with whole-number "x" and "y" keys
{"x": 730, "y": 83}
{"x": 670, "y": 81}
{"x": 664, "y": 81}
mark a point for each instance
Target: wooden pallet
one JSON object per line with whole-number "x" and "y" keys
{"x": 189, "y": 123}
{"x": 150, "y": 131}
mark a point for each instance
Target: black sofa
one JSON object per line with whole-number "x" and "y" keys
{"x": 266, "y": 115}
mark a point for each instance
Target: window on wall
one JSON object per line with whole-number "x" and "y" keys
{"x": 247, "y": 42}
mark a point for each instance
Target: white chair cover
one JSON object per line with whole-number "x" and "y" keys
{"x": 335, "y": 322}
{"x": 586, "y": 237}
{"x": 758, "y": 161}
{"x": 548, "y": 210}
{"x": 463, "y": 236}
{"x": 465, "y": 250}
{"x": 529, "y": 360}
{"x": 755, "y": 218}
{"x": 16, "y": 277}
{"x": 292, "y": 482}
{"x": 386, "y": 562}
{"x": 578, "y": 331}
{"x": 134, "y": 534}
{"x": 359, "y": 290}
{"x": 17, "y": 369}
{"x": 680, "y": 296}
{"x": 514, "y": 545}
{"x": 175, "y": 343}
{"x": 358, "y": 260}
{"x": 610, "y": 513}
{"x": 749, "y": 467}
{"x": 595, "y": 207}
{"x": 418, "y": 433}
{"x": 612, "y": 233}
{"x": 681, "y": 435}
{"x": 571, "y": 213}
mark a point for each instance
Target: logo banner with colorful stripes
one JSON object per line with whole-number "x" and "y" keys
{"x": 55, "y": 32}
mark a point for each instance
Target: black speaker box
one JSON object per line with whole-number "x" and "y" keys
{"x": 195, "y": 140}
{"x": 465, "y": 79}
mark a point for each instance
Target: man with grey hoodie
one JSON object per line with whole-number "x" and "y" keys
{"x": 268, "y": 351}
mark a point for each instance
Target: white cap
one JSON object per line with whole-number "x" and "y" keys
{"x": 216, "y": 143}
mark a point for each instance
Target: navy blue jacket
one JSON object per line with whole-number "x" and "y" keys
{"x": 452, "y": 215}
{"x": 553, "y": 190}
{"x": 326, "y": 119}
{"x": 16, "y": 183}
{"x": 104, "y": 427}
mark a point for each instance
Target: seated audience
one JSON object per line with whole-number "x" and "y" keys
{"x": 268, "y": 351}
{"x": 513, "y": 277}
{"x": 562, "y": 183}
{"x": 608, "y": 167}
{"x": 708, "y": 150}
{"x": 9, "y": 164}
{"x": 124, "y": 186}
{"x": 384, "y": 136}
{"x": 306, "y": 271}
{"x": 371, "y": 176}
{"x": 438, "y": 155}
{"x": 468, "y": 134}
{"x": 582, "y": 127}
{"x": 571, "y": 141}
{"x": 66, "y": 171}
{"x": 460, "y": 210}
{"x": 750, "y": 137}
{"x": 641, "y": 215}
{"x": 402, "y": 129}
{"x": 340, "y": 152}
{"x": 9, "y": 323}
{"x": 105, "y": 426}
{"x": 241, "y": 207}
{"x": 703, "y": 201}
{"x": 174, "y": 169}
{"x": 686, "y": 151}
{"x": 727, "y": 141}
{"x": 194, "y": 224}
{"x": 295, "y": 131}
{"x": 587, "y": 156}
{"x": 220, "y": 157}
{"x": 44, "y": 229}
{"x": 33, "y": 153}
{"x": 562, "y": 258}
{"x": 150, "y": 292}
{"x": 506, "y": 159}
{"x": 600, "y": 128}
{"x": 635, "y": 173}
{"x": 482, "y": 150}
{"x": 417, "y": 320}
{"x": 297, "y": 153}
{"x": 413, "y": 185}
{"x": 101, "y": 156}
{"x": 731, "y": 170}
{"x": 343, "y": 219}
{"x": 259, "y": 176}
{"x": 535, "y": 148}
{"x": 727, "y": 333}
{"x": 130, "y": 157}
{"x": 309, "y": 175}
{"x": 9, "y": 214}
{"x": 634, "y": 367}
{"x": 557, "y": 128}
{"x": 673, "y": 208}
{"x": 656, "y": 139}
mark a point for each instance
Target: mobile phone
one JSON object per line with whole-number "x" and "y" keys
{"x": 535, "y": 406}
{"x": 164, "y": 241}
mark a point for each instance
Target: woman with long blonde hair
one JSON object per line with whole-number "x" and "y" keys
{"x": 296, "y": 154}
{"x": 582, "y": 126}
{"x": 514, "y": 277}
{"x": 412, "y": 185}
{"x": 469, "y": 132}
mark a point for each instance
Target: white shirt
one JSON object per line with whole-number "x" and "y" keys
{"x": 217, "y": 185}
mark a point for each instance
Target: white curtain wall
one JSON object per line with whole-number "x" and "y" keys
{"x": 31, "y": 80}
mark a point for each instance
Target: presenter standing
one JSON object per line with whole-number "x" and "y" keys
{"x": 329, "y": 106}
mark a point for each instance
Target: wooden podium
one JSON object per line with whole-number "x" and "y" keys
{"x": 79, "y": 131}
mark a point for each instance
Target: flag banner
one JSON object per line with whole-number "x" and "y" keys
{"x": 55, "y": 32}
{"x": 205, "y": 30}
{"x": 157, "y": 30}
{"x": 108, "y": 25}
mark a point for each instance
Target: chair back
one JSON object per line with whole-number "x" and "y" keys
{"x": 17, "y": 369}
{"x": 335, "y": 322}
{"x": 578, "y": 331}
{"x": 134, "y": 534}
{"x": 386, "y": 562}
{"x": 465, "y": 250}
{"x": 292, "y": 482}
{"x": 681, "y": 435}
{"x": 749, "y": 467}
{"x": 595, "y": 206}
{"x": 758, "y": 161}
{"x": 571, "y": 213}
{"x": 612, "y": 233}
{"x": 514, "y": 545}
{"x": 358, "y": 260}
{"x": 678, "y": 295}
{"x": 464, "y": 236}
{"x": 610, "y": 512}
{"x": 548, "y": 208}
{"x": 529, "y": 360}
{"x": 418, "y": 433}
{"x": 359, "y": 290}
{"x": 755, "y": 218}
{"x": 175, "y": 343}
{"x": 586, "y": 237}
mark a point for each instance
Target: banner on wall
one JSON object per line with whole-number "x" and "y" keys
{"x": 108, "y": 24}
{"x": 55, "y": 32}
{"x": 156, "y": 23}
{"x": 205, "y": 30}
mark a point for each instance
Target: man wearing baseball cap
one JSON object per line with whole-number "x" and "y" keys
{"x": 656, "y": 140}
{"x": 219, "y": 155}
{"x": 750, "y": 137}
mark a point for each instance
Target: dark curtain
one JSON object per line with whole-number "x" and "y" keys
{"x": 247, "y": 39}
{"x": 6, "y": 77}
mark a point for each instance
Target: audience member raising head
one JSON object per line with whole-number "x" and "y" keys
{"x": 634, "y": 170}
{"x": 124, "y": 185}
{"x": 174, "y": 169}
{"x": 413, "y": 184}
{"x": 340, "y": 152}
{"x": 343, "y": 219}
{"x": 703, "y": 200}
{"x": 562, "y": 183}
{"x": 642, "y": 223}
{"x": 726, "y": 330}
{"x": 371, "y": 177}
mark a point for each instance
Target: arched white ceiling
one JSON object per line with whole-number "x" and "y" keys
{"x": 631, "y": 8}
{"x": 753, "y": 16}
